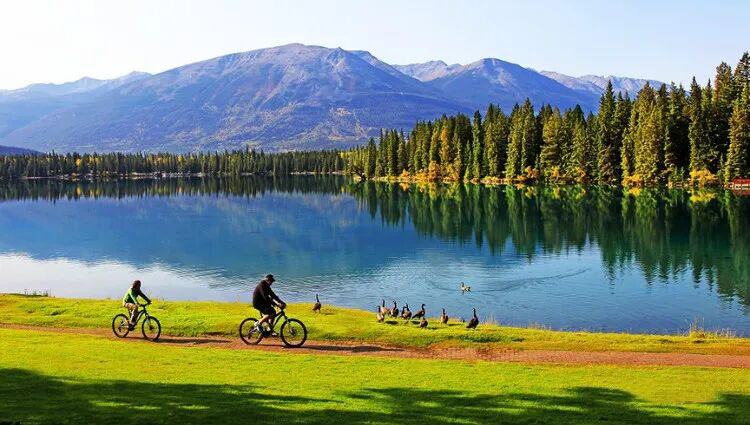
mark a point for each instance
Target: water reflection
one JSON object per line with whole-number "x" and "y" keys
{"x": 664, "y": 232}
{"x": 572, "y": 257}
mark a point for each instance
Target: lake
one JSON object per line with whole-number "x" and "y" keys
{"x": 567, "y": 258}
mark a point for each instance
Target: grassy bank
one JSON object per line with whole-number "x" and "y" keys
{"x": 68, "y": 378}
{"x": 339, "y": 324}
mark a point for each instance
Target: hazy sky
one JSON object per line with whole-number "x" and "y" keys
{"x": 60, "y": 41}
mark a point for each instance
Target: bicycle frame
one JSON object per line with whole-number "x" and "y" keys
{"x": 280, "y": 315}
{"x": 142, "y": 312}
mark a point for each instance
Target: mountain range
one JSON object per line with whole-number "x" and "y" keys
{"x": 281, "y": 98}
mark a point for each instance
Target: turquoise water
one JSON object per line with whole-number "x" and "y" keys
{"x": 569, "y": 258}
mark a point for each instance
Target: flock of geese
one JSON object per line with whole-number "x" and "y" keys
{"x": 406, "y": 314}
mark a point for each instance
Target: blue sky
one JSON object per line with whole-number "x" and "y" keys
{"x": 665, "y": 40}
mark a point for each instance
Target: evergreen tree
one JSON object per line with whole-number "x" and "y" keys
{"x": 403, "y": 155}
{"x": 608, "y": 149}
{"x": 738, "y": 158}
{"x": 496, "y": 143}
{"x": 477, "y": 151}
{"x": 742, "y": 73}
{"x": 448, "y": 142}
{"x": 515, "y": 144}
{"x": 553, "y": 137}
{"x": 697, "y": 132}
{"x": 372, "y": 153}
{"x": 580, "y": 169}
{"x": 529, "y": 137}
{"x": 677, "y": 147}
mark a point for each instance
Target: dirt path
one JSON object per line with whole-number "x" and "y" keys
{"x": 467, "y": 354}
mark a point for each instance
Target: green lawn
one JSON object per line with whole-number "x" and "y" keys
{"x": 339, "y": 324}
{"x": 81, "y": 379}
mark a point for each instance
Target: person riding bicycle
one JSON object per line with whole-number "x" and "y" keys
{"x": 130, "y": 301}
{"x": 264, "y": 300}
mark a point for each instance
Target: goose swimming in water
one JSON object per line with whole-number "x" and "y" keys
{"x": 465, "y": 288}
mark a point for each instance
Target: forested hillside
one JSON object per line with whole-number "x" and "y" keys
{"x": 665, "y": 135}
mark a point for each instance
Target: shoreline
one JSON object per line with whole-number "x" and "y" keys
{"x": 742, "y": 190}
{"x": 336, "y": 324}
{"x": 739, "y": 190}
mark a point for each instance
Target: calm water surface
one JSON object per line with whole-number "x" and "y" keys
{"x": 572, "y": 258}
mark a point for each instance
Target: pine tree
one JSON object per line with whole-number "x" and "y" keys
{"x": 372, "y": 153}
{"x": 553, "y": 136}
{"x": 677, "y": 147}
{"x": 742, "y": 73}
{"x": 738, "y": 158}
{"x": 496, "y": 144}
{"x": 652, "y": 140}
{"x": 627, "y": 151}
{"x": 477, "y": 151}
{"x": 515, "y": 144}
{"x": 435, "y": 148}
{"x": 403, "y": 155}
{"x": 580, "y": 169}
{"x": 448, "y": 149}
{"x": 592, "y": 134}
{"x": 608, "y": 150}
{"x": 529, "y": 140}
{"x": 697, "y": 133}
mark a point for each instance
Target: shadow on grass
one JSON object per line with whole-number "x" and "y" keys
{"x": 192, "y": 341}
{"x": 28, "y": 398}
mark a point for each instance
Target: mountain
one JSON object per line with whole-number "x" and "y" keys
{"x": 427, "y": 71}
{"x": 280, "y": 98}
{"x": 495, "y": 81}
{"x": 23, "y": 106}
{"x": 10, "y": 150}
{"x": 288, "y": 97}
{"x": 598, "y": 84}
{"x": 84, "y": 85}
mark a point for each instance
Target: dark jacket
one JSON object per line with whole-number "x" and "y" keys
{"x": 263, "y": 295}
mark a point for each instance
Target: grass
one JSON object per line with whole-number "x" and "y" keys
{"x": 339, "y": 324}
{"x": 52, "y": 377}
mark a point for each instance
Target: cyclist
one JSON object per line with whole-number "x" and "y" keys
{"x": 264, "y": 299}
{"x": 130, "y": 301}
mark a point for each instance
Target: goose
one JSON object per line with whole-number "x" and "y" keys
{"x": 423, "y": 323}
{"x": 317, "y": 305}
{"x": 405, "y": 312}
{"x": 394, "y": 310}
{"x": 380, "y": 316}
{"x": 473, "y": 322}
{"x": 443, "y": 317}
{"x": 383, "y": 309}
{"x": 419, "y": 313}
{"x": 465, "y": 288}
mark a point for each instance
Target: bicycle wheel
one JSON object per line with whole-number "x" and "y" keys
{"x": 120, "y": 325}
{"x": 151, "y": 328}
{"x": 293, "y": 333}
{"x": 248, "y": 334}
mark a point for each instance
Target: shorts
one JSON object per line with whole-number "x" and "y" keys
{"x": 265, "y": 309}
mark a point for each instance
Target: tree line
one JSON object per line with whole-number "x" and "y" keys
{"x": 240, "y": 162}
{"x": 665, "y": 135}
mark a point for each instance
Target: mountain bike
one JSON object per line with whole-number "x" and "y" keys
{"x": 293, "y": 332}
{"x": 150, "y": 327}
